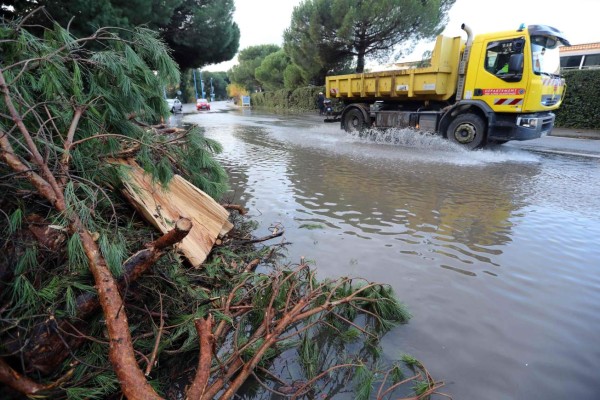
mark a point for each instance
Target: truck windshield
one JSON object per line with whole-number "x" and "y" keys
{"x": 545, "y": 55}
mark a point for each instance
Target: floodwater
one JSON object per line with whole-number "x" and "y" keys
{"x": 494, "y": 252}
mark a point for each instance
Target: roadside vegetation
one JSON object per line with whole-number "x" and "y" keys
{"x": 581, "y": 107}
{"x": 95, "y": 305}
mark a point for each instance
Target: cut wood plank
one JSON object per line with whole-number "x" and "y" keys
{"x": 163, "y": 206}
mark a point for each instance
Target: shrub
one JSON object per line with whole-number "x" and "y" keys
{"x": 581, "y": 106}
{"x": 301, "y": 99}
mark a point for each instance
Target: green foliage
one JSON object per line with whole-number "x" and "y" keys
{"x": 581, "y": 106}
{"x": 397, "y": 374}
{"x": 299, "y": 100}
{"x": 114, "y": 252}
{"x": 15, "y": 221}
{"x": 76, "y": 255}
{"x": 197, "y": 163}
{"x": 310, "y": 356}
{"x": 219, "y": 82}
{"x": 326, "y": 35}
{"x": 420, "y": 387}
{"x": 189, "y": 87}
{"x": 202, "y": 32}
{"x": 199, "y": 32}
{"x": 24, "y": 292}
{"x": 364, "y": 379}
{"x": 51, "y": 76}
{"x": 293, "y": 78}
{"x": 249, "y": 59}
{"x": 386, "y": 306}
{"x": 410, "y": 361}
{"x": 271, "y": 71}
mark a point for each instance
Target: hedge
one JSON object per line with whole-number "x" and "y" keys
{"x": 581, "y": 106}
{"x": 298, "y": 100}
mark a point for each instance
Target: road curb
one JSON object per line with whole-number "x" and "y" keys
{"x": 576, "y": 133}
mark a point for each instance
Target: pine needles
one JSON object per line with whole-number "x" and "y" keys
{"x": 71, "y": 106}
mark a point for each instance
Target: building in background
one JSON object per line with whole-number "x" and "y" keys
{"x": 580, "y": 56}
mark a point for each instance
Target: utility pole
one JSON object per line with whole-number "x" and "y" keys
{"x": 202, "y": 86}
{"x": 195, "y": 85}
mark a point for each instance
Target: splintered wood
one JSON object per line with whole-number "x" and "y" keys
{"x": 163, "y": 206}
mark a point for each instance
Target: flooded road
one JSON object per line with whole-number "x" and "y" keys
{"x": 494, "y": 252}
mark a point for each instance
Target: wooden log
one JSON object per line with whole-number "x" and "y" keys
{"x": 162, "y": 206}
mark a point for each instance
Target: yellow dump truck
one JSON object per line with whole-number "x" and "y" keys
{"x": 492, "y": 88}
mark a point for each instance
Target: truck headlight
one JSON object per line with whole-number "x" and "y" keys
{"x": 527, "y": 122}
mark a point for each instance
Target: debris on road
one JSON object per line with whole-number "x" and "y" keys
{"x": 164, "y": 206}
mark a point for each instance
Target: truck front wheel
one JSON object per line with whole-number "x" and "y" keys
{"x": 467, "y": 130}
{"x": 354, "y": 121}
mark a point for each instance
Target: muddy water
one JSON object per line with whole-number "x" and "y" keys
{"x": 494, "y": 252}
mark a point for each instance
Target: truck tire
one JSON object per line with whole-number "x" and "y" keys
{"x": 467, "y": 130}
{"x": 354, "y": 121}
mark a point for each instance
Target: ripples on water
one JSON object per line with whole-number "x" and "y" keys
{"x": 494, "y": 251}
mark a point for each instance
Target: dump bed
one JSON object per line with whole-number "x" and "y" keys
{"x": 435, "y": 81}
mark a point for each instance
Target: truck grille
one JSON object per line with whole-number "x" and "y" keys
{"x": 547, "y": 123}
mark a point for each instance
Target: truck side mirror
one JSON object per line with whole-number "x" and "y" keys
{"x": 515, "y": 64}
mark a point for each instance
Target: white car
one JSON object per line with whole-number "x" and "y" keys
{"x": 174, "y": 105}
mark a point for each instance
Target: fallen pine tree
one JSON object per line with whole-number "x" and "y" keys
{"x": 95, "y": 303}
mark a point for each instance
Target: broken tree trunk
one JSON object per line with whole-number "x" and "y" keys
{"x": 164, "y": 205}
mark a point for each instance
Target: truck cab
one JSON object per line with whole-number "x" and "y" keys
{"x": 515, "y": 76}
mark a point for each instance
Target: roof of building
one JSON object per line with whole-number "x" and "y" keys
{"x": 580, "y": 47}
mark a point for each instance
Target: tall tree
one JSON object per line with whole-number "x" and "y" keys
{"x": 325, "y": 32}
{"x": 292, "y": 77}
{"x": 249, "y": 59}
{"x": 200, "y": 32}
{"x": 314, "y": 51}
{"x": 270, "y": 72}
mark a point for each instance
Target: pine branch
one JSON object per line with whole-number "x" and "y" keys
{"x": 46, "y": 350}
{"x": 69, "y": 142}
{"x": 204, "y": 329}
{"x": 18, "y": 382}
{"x": 132, "y": 379}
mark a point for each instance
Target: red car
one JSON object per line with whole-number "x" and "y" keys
{"x": 202, "y": 104}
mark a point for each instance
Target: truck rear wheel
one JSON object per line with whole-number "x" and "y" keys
{"x": 354, "y": 121}
{"x": 467, "y": 130}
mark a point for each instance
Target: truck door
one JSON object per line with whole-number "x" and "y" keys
{"x": 500, "y": 79}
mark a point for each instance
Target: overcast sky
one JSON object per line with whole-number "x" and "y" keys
{"x": 263, "y": 21}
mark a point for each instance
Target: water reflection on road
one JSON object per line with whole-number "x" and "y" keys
{"x": 493, "y": 251}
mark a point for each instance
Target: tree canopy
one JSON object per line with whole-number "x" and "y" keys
{"x": 270, "y": 73}
{"x": 199, "y": 32}
{"x": 202, "y": 32}
{"x": 325, "y": 34}
{"x": 249, "y": 59}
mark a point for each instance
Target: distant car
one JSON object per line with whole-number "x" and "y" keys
{"x": 174, "y": 105}
{"x": 202, "y": 104}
